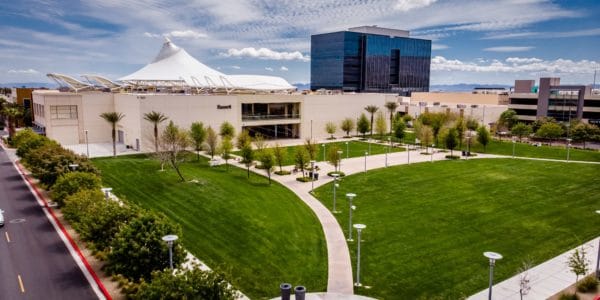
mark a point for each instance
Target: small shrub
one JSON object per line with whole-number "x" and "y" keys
{"x": 587, "y": 284}
{"x": 339, "y": 173}
{"x": 303, "y": 179}
{"x": 283, "y": 172}
{"x": 568, "y": 297}
{"x": 71, "y": 183}
{"x": 452, "y": 157}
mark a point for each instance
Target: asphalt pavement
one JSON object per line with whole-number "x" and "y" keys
{"x": 34, "y": 261}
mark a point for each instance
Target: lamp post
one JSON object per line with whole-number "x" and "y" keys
{"x": 170, "y": 239}
{"x": 598, "y": 259}
{"x": 350, "y": 196}
{"x": 359, "y": 228}
{"x": 366, "y": 153}
{"x": 468, "y": 145}
{"x": 73, "y": 167}
{"x": 335, "y": 186}
{"x": 514, "y": 141}
{"x": 369, "y": 141}
{"x": 432, "y": 145}
{"x": 347, "y": 152}
{"x": 323, "y": 152}
{"x": 568, "y": 148}
{"x": 106, "y": 191}
{"x": 312, "y": 175}
{"x": 492, "y": 256}
{"x": 87, "y": 144}
{"x": 408, "y": 153}
{"x": 339, "y": 153}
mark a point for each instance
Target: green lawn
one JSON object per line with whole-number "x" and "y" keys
{"x": 263, "y": 235}
{"x": 428, "y": 224}
{"x": 527, "y": 150}
{"x": 355, "y": 149}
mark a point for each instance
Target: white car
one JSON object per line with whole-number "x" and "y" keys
{"x": 1, "y": 217}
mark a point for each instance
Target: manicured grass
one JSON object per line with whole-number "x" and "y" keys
{"x": 527, "y": 150}
{"x": 428, "y": 224}
{"x": 355, "y": 149}
{"x": 263, "y": 235}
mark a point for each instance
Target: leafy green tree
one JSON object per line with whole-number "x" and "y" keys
{"x": 451, "y": 140}
{"x": 483, "y": 136}
{"x": 507, "y": 119}
{"x": 138, "y": 250}
{"x": 225, "y": 150}
{"x": 267, "y": 161}
{"x": 185, "y": 284}
{"x": 380, "y": 125}
{"x": 311, "y": 148}
{"x": 242, "y": 139}
{"x": 279, "y": 155}
{"x": 175, "y": 140}
{"x": 72, "y": 182}
{"x": 372, "y": 109}
{"x": 426, "y": 137}
{"x": 541, "y": 121}
{"x": 333, "y": 157}
{"x": 550, "y": 131}
{"x": 399, "y": 129}
{"x": 113, "y": 118}
{"x": 301, "y": 159}
{"x": 211, "y": 142}
{"x": 407, "y": 118}
{"x": 520, "y": 130}
{"x": 582, "y": 132}
{"x": 155, "y": 118}
{"x": 391, "y": 107}
{"x": 198, "y": 135}
{"x": 437, "y": 122}
{"x": 460, "y": 130}
{"x": 347, "y": 126}
{"x": 247, "y": 154}
{"x": 363, "y": 125}
{"x": 330, "y": 128}
{"x": 227, "y": 130}
{"x": 578, "y": 263}
{"x": 259, "y": 144}
{"x": 12, "y": 113}
{"x": 472, "y": 124}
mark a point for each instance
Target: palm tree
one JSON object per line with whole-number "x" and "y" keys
{"x": 155, "y": 118}
{"x": 391, "y": 106}
{"x": 113, "y": 118}
{"x": 12, "y": 113}
{"x": 372, "y": 109}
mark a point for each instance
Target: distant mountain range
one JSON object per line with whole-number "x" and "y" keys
{"x": 48, "y": 85}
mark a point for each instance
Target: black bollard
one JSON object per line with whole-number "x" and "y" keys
{"x": 300, "y": 292}
{"x": 286, "y": 290}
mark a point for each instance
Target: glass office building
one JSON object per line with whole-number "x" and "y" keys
{"x": 370, "y": 61}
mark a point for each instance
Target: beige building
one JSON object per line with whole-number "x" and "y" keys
{"x": 66, "y": 116}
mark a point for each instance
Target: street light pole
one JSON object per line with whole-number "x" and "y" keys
{"x": 347, "y": 152}
{"x": 492, "y": 256}
{"x": 366, "y": 153}
{"x": 312, "y": 175}
{"x": 408, "y": 152}
{"x": 568, "y": 148}
{"x": 170, "y": 239}
{"x": 87, "y": 144}
{"x": 350, "y": 196}
{"x": 514, "y": 142}
{"x": 339, "y": 153}
{"x": 598, "y": 259}
{"x": 335, "y": 186}
{"x": 432, "y": 145}
{"x": 359, "y": 228}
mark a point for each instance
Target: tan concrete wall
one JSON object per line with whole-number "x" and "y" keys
{"x": 456, "y": 98}
{"x": 59, "y": 130}
{"x": 334, "y": 108}
{"x": 94, "y": 104}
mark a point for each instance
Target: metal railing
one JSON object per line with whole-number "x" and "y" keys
{"x": 269, "y": 117}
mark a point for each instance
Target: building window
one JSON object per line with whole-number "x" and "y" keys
{"x": 63, "y": 112}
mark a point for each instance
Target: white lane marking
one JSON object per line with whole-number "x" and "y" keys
{"x": 7, "y": 237}
{"x": 21, "y": 284}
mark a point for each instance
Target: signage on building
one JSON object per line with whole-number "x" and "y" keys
{"x": 223, "y": 106}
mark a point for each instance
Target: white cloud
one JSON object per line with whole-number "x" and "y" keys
{"x": 152, "y": 35}
{"x": 284, "y": 69}
{"x": 439, "y": 47}
{"x": 543, "y": 35}
{"x": 406, "y": 5}
{"x": 269, "y": 69}
{"x": 27, "y": 71}
{"x": 236, "y": 67}
{"x": 187, "y": 34}
{"x": 265, "y": 53}
{"x": 516, "y": 65}
{"x": 508, "y": 49}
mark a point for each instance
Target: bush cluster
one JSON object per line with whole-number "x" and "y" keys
{"x": 587, "y": 284}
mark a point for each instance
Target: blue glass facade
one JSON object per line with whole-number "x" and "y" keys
{"x": 360, "y": 62}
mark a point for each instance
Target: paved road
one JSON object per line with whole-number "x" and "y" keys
{"x": 34, "y": 261}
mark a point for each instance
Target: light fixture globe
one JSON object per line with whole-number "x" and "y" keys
{"x": 360, "y": 226}
{"x": 170, "y": 238}
{"x": 492, "y": 255}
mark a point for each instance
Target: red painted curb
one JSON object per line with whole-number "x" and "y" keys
{"x": 64, "y": 231}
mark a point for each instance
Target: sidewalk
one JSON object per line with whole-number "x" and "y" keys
{"x": 546, "y": 279}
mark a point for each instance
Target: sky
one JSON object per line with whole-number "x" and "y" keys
{"x": 479, "y": 41}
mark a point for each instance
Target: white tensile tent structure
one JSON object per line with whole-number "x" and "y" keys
{"x": 174, "y": 67}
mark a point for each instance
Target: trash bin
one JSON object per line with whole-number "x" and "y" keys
{"x": 286, "y": 290}
{"x": 464, "y": 153}
{"x": 316, "y": 176}
{"x": 300, "y": 292}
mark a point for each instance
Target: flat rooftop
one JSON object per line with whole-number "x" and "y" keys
{"x": 380, "y": 30}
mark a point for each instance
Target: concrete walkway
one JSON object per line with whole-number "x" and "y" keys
{"x": 545, "y": 280}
